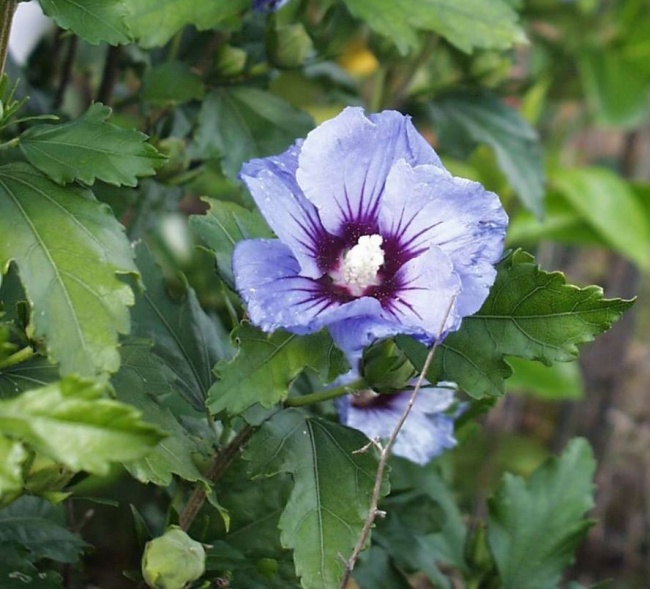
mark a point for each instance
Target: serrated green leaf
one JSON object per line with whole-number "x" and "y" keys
{"x": 266, "y": 366}
{"x": 530, "y": 314}
{"x": 225, "y": 224}
{"x": 375, "y": 570}
{"x": 535, "y": 526}
{"x": 36, "y": 371}
{"x": 188, "y": 341}
{"x": 609, "y": 206}
{"x": 172, "y": 81}
{"x": 36, "y": 526}
{"x": 331, "y": 494}
{"x": 71, "y": 423}
{"x": 26, "y": 576}
{"x": 154, "y": 22}
{"x": 469, "y": 25}
{"x": 95, "y": 21}
{"x": 239, "y": 123}
{"x": 90, "y": 148}
{"x": 463, "y": 118}
{"x": 12, "y": 456}
{"x": 69, "y": 249}
{"x": 142, "y": 380}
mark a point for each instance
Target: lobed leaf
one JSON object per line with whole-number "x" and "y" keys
{"x": 332, "y": 489}
{"x": 225, "y": 224}
{"x": 468, "y": 25}
{"x": 95, "y": 21}
{"x": 143, "y": 380}
{"x": 266, "y": 366}
{"x": 529, "y": 313}
{"x": 89, "y": 148}
{"x": 186, "y": 339}
{"x": 34, "y": 527}
{"x": 535, "y": 526}
{"x": 463, "y": 118}
{"x": 12, "y": 456}
{"x": 69, "y": 249}
{"x": 71, "y": 423}
{"x": 239, "y": 123}
{"x": 154, "y": 22}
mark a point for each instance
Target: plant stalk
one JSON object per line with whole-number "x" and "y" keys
{"x": 17, "y": 357}
{"x": 320, "y": 396}
{"x": 7, "y": 9}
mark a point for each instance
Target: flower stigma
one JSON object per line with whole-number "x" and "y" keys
{"x": 361, "y": 264}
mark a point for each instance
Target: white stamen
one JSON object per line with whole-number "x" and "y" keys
{"x": 361, "y": 264}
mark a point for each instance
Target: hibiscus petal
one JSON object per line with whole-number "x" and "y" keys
{"x": 271, "y": 181}
{"x": 344, "y": 163}
{"x": 425, "y": 304}
{"x": 425, "y": 205}
{"x": 425, "y": 434}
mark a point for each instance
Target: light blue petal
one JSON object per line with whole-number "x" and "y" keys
{"x": 271, "y": 182}
{"x": 427, "y": 205}
{"x": 344, "y": 163}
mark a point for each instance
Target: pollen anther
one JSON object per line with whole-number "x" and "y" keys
{"x": 361, "y": 264}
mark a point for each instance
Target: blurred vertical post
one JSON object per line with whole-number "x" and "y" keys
{"x": 7, "y": 9}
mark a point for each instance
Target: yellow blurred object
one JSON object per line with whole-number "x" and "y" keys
{"x": 357, "y": 59}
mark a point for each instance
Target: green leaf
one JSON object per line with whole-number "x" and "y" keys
{"x": 26, "y": 576}
{"x": 535, "y": 526}
{"x": 95, "y": 21}
{"x": 616, "y": 92}
{"x": 559, "y": 382}
{"x": 266, "y": 366}
{"x": 69, "y": 249}
{"x": 70, "y": 422}
{"x": 465, "y": 119}
{"x": 469, "y": 25}
{"x": 187, "y": 340}
{"x": 225, "y": 224}
{"x": 142, "y": 381}
{"x": 154, "y": 22}
{"x": 172, "y": 81}
{"x": 36, "y": 526}
{"x": 238, "y": 124}
{"x": 609, "y": 206}
{"x": 375, "y": 570}
{"x": 530, "y": 314}
{"x": 90, "y": 148}
{"x": 12, "y": 456}
{"x": 331, "y": 494}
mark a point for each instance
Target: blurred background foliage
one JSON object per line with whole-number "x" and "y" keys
{"x": 543, "y": 101}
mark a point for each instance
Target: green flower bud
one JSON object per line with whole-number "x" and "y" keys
{"x": 385, "y": 368}
{"x": 172, "y": 560}
{"x": 178, "y": 160}
{"x": 288, "y": 46}
{"x": 230, "y": 61}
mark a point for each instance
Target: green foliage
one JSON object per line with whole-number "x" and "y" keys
{"x": 331, "y": 493}
{"x": 72, "y": 423}
{"x": 485, "y": 24}
{"x": 225, "y": 224}
{"x": 240, "y": 123}
{"x": 95, "y": 21}
{"x": 534, "y": 526}
{"x": 185, "y": 338}
{"x": 69, "y": 249}
{"x": 560, "y": 381}
{"x": 89, "y": 148}
{"x": 172, "y": 81}
{"x": 266, "y": 366}
{"x": 537, "y": 316}
{"x": 12, "y": 456}
{"x": 466, "y": 119}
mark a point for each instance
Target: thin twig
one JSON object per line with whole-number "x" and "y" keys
{"x": 219, "y": 465}
{"x": 385, "y": 455}
{"x": 109, "y": 75}
{"x": 7, "y": 9}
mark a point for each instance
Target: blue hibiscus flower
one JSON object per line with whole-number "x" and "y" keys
{"x": 428, "y": 431}
{"x": 374, "y": 236}
{"x": 269, "y": 5}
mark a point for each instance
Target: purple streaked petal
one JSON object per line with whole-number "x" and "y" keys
{"x": 466, "y": 221}
{"x": 292, "y": 217}
{"x": 425, "y": 304}
{"x": 426, "y": 433}
{"x": 344, "y": 163}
